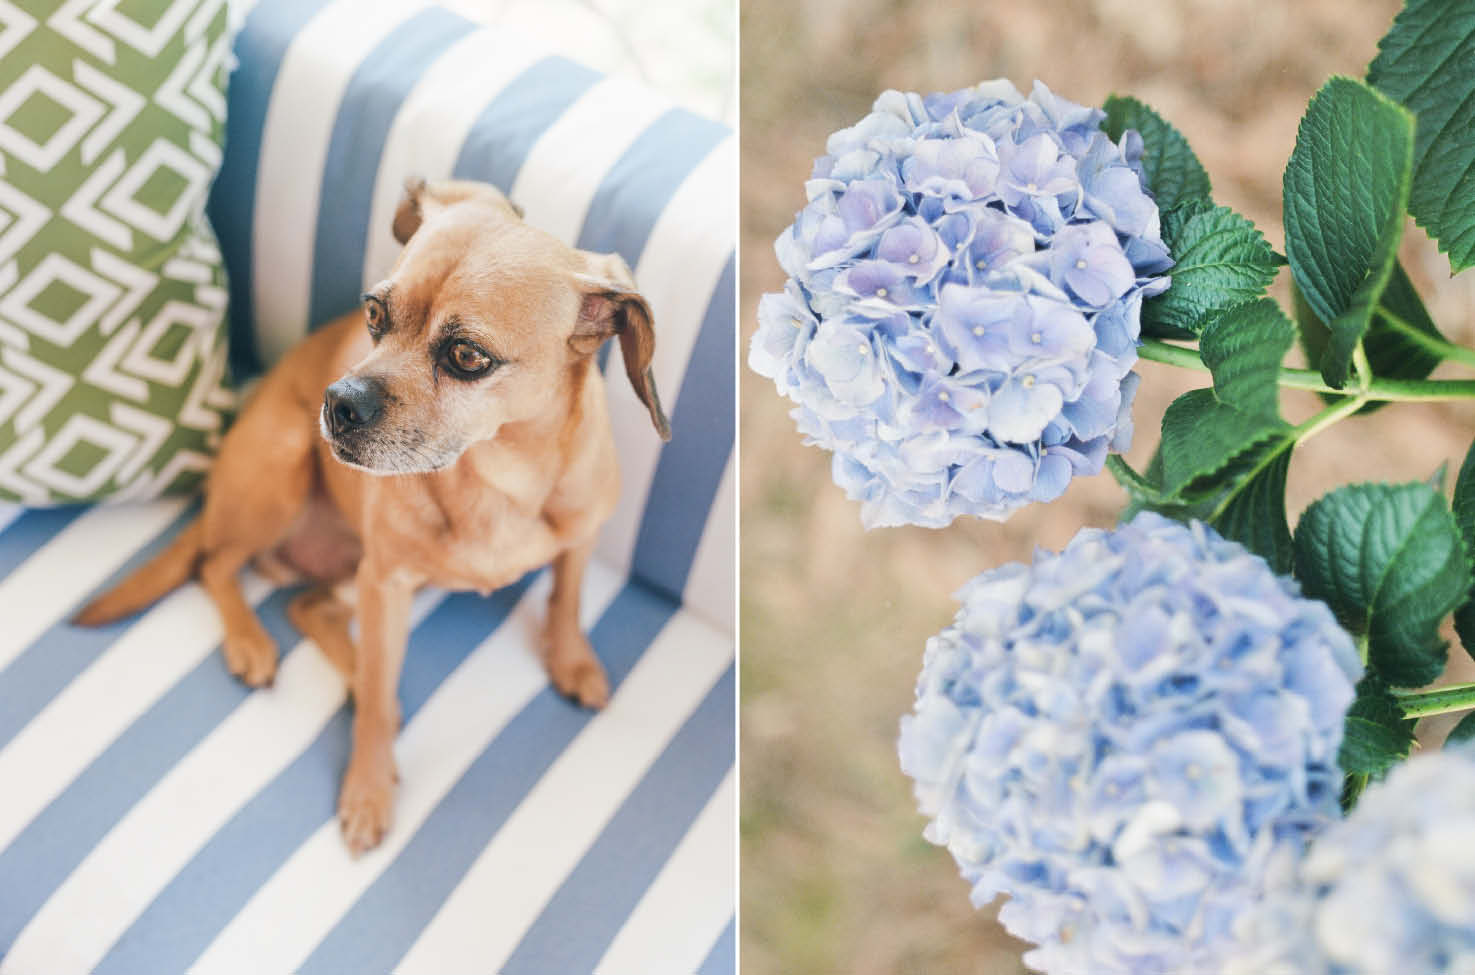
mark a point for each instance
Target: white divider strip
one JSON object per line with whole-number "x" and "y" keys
{"x": 79, "y": 558}
{"x": 712, "y": 586}
{"x": 8, "y": 513}
{"x": 527, "y": 861}
{"x": 683, "y": 260}
{"x": 294, "y": 149}
{"x": 291, "y": 913}
{"x": 563, "y": 170}
{"x": 122, "y": 683}
{"x": 433, "y": 123}
{"x": 686, "y": 907}
{"x": 158, "y": 836}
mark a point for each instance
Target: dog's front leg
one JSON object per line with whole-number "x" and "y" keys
{"x": 571, "y": 663}
{"x": 366, "y": 802}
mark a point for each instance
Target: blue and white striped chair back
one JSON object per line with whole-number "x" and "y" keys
{"x": 307, "y": 191}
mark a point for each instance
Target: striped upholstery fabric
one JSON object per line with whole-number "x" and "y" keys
{"x": 155, "y": 815}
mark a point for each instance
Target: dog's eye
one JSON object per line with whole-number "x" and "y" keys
{"x": 466, "y": 359}
{"x": 374, "y": 316}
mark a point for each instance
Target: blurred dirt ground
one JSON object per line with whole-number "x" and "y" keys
{"x": 835, "y": 874}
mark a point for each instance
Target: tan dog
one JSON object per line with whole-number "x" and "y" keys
{"x": 459, "y": 440}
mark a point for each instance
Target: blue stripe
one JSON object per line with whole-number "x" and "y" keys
{"x": 58, "y": 839}
{"x": 33, "y": 529}
{"x": 722, "y": 959}
{"x": 637, "y": 187}
{"x": 260, "y": 48}
{"x": 57, "y": 656}
{"x": 579, "y": 923}
{"x": 621, "y": 217}
{"x": 377, "y": 931}
{"x": 691, "y": 466}
{"x": 373, "y": 97}
{"x": 505, "y": 132}
{"x": 219, "y": 880}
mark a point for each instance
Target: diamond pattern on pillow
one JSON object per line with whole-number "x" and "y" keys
{"x": 112, "y": 290}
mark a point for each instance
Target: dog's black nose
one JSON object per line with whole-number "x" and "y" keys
{"x": 352, "y": 403}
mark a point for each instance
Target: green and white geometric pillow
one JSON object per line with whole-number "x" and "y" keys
{"x": 112, "y": 291}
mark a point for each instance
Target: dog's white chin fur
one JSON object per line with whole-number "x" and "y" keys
{"x": 387, "y": 466}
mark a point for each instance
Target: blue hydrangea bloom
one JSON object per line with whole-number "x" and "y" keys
{"x": 1389, "y": 889}
{"x": 1123, "y": 737}
{"x": 961, "y": 316}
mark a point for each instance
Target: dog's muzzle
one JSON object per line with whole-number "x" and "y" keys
{"x": 352, "y": 404}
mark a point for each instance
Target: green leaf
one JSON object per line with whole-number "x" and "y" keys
{"x": 1346, "y": 190}
{"x": 1427, "y": 62}
{"x": 1136, "y": 485}
{"x": 1463, "y": 507}
{"x": 1145, "y": 491}
{"x": 1352, "y": 786}
{"x": 1203, "y": 437}
{"x": 1377, "y": 734}
{"x": 1463, "y": 731}
{"x": 1436, "y": 481}
{"x": 1243, "y": 347}
{"x": 1390, "y": 351}
{"x": 1245, "y": 500}
{"x": 1173, "y": 172}
{"x": 1255, "y": 515}
{"x": 1390, "y": 562}
{"x": 1220, "y": 260}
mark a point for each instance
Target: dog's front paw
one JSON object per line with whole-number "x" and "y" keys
{"x": 251, "y": 656}
{"x": 586, "y": 683}
{"x": 575, "y": 671}
{"x": 366, "y": 803}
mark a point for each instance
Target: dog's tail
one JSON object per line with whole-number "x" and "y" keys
{"x": 164, "y": 573}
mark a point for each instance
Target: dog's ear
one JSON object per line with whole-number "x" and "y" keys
{"x": 421, "y": 200}
{"x": 610, "y": 305}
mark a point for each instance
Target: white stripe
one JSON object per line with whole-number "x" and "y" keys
{"x": 292, "y": 912}
{"x": 564, "y": 168}
{"x": 686, "y": 907}
{"x": 95, "y": 708}
{"x": 83, "y": 554}
{"x": 294, "y": 148}
{"x": 432, "y": 124}
{"x": 143, "y": 852}
{"x": 513, "y": 878}
{"x": 8, "y": 513}
{"x": 711, "y": 589}
{"x": 681, "y": 265}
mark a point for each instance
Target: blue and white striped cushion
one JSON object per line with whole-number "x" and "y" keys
{"x": 156, "y": 815}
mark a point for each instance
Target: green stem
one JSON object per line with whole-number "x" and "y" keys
{"x": 1383, "y": 390}
{"x": 1341, "y": 409}
{"x": 1440, "y": 700}
{"x": 1363, "y": 367}
{"x": 1429, "y": 343}
{"x": 1129, "y": 478}
{"x": 1420, "y": 390}
{"x": 1174, "y": 355}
